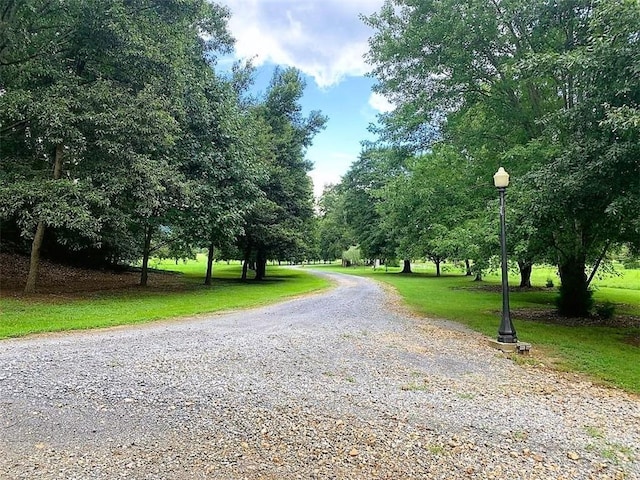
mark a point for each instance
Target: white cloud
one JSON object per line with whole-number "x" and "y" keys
{"x": 380, "y": 103}
{"x": 321, "y": 180}
{"x": 325, "y": 39}
{"x": 330, "y": 166}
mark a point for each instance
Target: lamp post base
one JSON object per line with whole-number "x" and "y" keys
{"x": 507, "y": 338}
{"x": 511, "y": 347}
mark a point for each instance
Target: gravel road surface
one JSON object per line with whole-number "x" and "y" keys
{"x": 338, "y": 385}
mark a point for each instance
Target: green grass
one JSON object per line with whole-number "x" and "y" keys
{"x": 598, "y": 351}
{"x": 22, "y": 316}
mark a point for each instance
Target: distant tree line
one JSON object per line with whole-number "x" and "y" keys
{"x": 549, "y": 90}
{"x": 118, "y": 138}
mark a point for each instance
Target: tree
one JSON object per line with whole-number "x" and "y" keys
{"x": 589, "y": 187}
{"x": 333, "y": 231}
{"x": 363, "y": 185}
{"x": 225, "y": 145}
{"x": 463, "y": 87}
{"x": 30, "y": 30}
{"x": 276, "y": 226}
{"x": 431, "y": 204}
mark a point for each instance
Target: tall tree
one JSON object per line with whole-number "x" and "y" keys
{"x": 363, "y": 184}
{"x": 334, "y": 236}
{"x": 431, "y": 204}
{"x": 588, "y": 189}
{"x": 227, "y": 146}
{"x": 276, "y": 226}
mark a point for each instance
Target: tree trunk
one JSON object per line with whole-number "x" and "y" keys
{"x": 575, "y": 297}
{"x": 144, "y": 275}
{"x": 261, "y": 265}
{"x": 36, "y": 245}
{"x": 467, "y": 264}
{"x": 207, "y": 278}
{"x": 525, "y": 273}
{"x": 598, "y": 262}
{"x": 34, "y": 264}
{"x": 406, "y": 267}
{"x": 437, "y": 261}
{"x": 245, "y": 267}
{"x": 245, "y": 264}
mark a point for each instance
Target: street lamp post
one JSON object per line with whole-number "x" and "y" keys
{"x": 506, "y": 333}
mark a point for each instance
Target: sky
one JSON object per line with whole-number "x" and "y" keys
{"x": 326, "y": 41}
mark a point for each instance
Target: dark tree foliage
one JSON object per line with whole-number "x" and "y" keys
{"x": 334, "y": 234}
{"x": 118, "y": 141}
{"x": 362, "y": 186}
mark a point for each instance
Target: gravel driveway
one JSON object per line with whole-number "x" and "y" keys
{"x": 338, "y": 385}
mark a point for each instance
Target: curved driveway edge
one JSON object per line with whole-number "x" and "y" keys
{"x": 338, "y": 385}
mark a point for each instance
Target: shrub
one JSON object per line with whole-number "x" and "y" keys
{"x": 631, "y": 264}
{"x": 606, "y": 310}
{"x": 574, "y": 302}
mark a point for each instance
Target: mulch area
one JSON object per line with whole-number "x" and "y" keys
{"x": 629, "y": 323}
{"x": 552, "y": 317}
{"x": 549, "y": 316}
{"x": 498, "y": 288}
{"x": 57, "y": 280}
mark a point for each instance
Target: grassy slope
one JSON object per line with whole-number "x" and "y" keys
{"x": 24, "y": 316}
{"x": 597, "y": 351}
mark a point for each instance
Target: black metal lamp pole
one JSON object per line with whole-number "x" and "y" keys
{"x": 506, "y": 333}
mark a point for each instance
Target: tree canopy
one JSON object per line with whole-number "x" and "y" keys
{"x": 114, "y": 147}
{"x": 118, "y": 137}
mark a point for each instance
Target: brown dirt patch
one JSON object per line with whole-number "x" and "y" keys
{"x": 633, "y": 339}
{"x": 552, "y": 317}
{"x": 62, "y": 281}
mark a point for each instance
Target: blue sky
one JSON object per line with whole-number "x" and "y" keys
{"x": 325, "y": 40}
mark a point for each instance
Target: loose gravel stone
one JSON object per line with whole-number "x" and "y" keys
{"x": 339, "y": 385}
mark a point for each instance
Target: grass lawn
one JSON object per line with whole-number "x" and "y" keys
{"x": 599, "y": 351}
{"x": 21, "y": 316}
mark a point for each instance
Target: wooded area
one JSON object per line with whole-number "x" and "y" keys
{"x": 120, "y": 141}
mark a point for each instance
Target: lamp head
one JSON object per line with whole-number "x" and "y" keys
{"x": 501, "y": 178}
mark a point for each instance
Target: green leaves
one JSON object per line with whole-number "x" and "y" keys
{"x": 64, "y": 204}
{"x": 109, "y": 85}
{"x": 279, "y": 224}
{"x": 548, "y": 90}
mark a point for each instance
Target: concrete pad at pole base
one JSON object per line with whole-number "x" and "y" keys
{"x": 516, "y": 347}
